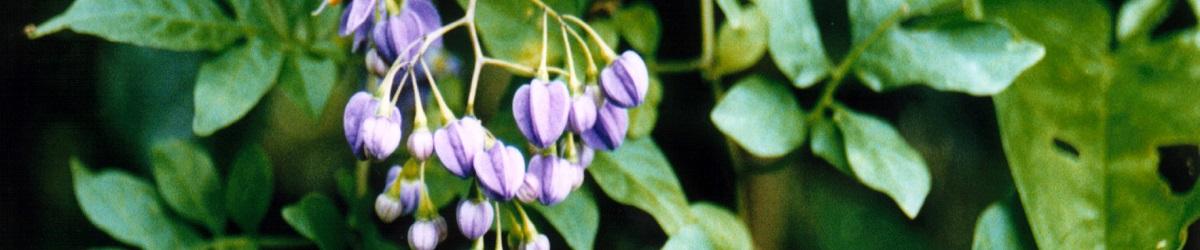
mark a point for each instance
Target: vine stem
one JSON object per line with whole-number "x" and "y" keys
{"x": 839, "y": 73}
{"x": 361, "y": 176}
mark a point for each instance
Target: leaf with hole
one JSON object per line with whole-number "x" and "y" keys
{"x": 1119, "y": 109}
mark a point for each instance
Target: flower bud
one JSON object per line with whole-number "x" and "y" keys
{"x": 583, "y": 113}
{"x": 387, "y": 208}
{"x": 612, "y": 123}
{"x": 457, "y": 143}
{"x": 500, "y": 170}
{"x": 360, "y": 106}
{"x": 474, "y": 218}
{"x": 530, "y": 189}
{"x": 420, "y": 143}
{"x": 425, "y": 234}
{"x": 626, "y": 80}
{"x": 375, "y": 64}
{"x": 539, "y": 242}
{"x": 541, "y": 110}
{"x": 556, "y": 177}
{"x": 410, "y": 195}
{"x": 381, "y": 134}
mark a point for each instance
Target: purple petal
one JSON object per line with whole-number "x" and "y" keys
{"x": 358, "y": 13}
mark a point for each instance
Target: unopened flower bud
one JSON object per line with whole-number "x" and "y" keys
{"x": 361, "y": 105}
{"x": 410, "y": 195}
{"x": 457, "y": 143}
{"x": 500, "y": 170}
{"x": 420, "y": 143}
{"x": 539, "y": 242}
{"x": 381, "y": 134}
{"x": 530, "y": 189}
{"x": 608, "y": 133}
{"x": 387, "y": 208}
{"x": 474, "y": 218}
{"x": 556, "y": 175}
{"x": 626, "y": 80}
{"x": 541, "y": 110}
{"x": 583, "y": 113}
{"x": 426, "y": 234}
{"x": 375, "y": 64}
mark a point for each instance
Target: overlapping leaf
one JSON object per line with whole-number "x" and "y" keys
{"x": 128, "y": 209}
{"x": 164, "y": 24}
{"x": 189, "y": 182}
{"x": 794, "y": 41}
{"x": 230, "y": 85}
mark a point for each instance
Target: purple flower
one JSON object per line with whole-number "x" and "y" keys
{"x": 626, "y": 80}
{"x": 612, "y": 123}
{"x": 420, "y": 143}
{"x": 387, "y": 207}
{"x": 360, "y": 106}
{"x": 500, "y": 170}
{"x": 457, "y": 143}
{"x": 380, "y": 134}
{"x": 585, "y": 155}
{"x": 425, "y": 234}
{"x": 583, "y": 112}
{"x": 357, "y": 20}
{"x": 474, "y": 218}
{"x": 399, "y": 36}
{"x": 541, "y": 110}
{"x": 556, "y": 176}
{"x": 530, "y": 189}
{"x": 539, "y": 242}
{"x": 410, "y": 195}
{"x": 376, "y": 65}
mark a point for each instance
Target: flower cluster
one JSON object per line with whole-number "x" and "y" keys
{"x": 550, "y": 114}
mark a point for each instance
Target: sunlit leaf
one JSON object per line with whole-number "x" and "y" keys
{"x": 762, "y": 116}
{"x": 882, "y": 160}
{"x": 794, "y": 41}
{"x": 741, "y": 43}
{"x": 724, "y": 229}
{"x": 1138, "y": 17}
{"x": 164, "y": 24}
{"x": 231, "y": 84}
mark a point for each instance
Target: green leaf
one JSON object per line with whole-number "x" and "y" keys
{"x": 450, "y": 188}
{"x": 1082, "y": 130}
{"x": 946, "y": 52}
{"x": 1138, "y": 18}
{"x": 762, "y": 116}
{"x": 251, "y": 182}
{"x": 189, "y": 183}
{"x": 831, "y": 210}
{"x": 230, "y": 85}
{"x": 128, "y": 209}
{"x": 724, "y": 229}
{"x": 640, "y": 27}
{"x": 511, "y": 29}
{"x": 883, "y": 161}
{"x": 308, "y": 81}
{"x": 741, "y": 43}
{"x": 827, "y": 144}
{"x": 608, "y": 31}
{"x": 163, "y": 24}
{"x": 316, "y": 218}
{"x": 266, "y": 17}
{"x": 691, "y": 237}
{"x": 794, "y": 41}
{"x": 643, "y": 117}
{"x": 1002, "y": 226}
{"x": 637, "y": 174}
{"x": 577, "y": 218}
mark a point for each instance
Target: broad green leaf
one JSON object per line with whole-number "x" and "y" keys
{"x": 163, "y": 24}
{"x": 147, "y": 95}
{"x": 251, "y": 183}
{"x": 740, "y": 43}
{"x": 637, "y": 174}
{"x": 691, "y": 237}
{"x": 762, "y": 116}
{"x": 1138, "y": 17}
{"x": 724, "y": 229}
{"x": 577, "y": 218}
{"x": 827, "y": 144}
{"x": 643, "y": 117}
{"x": 511, "y": 29}
{"x": 1002, "y": 226}
{"x": 308, "y": 81}
{"x": 946, "y": 52}
{"x": 449, "y": 188}
{"x": 231, "y": 84}
{"x": 883, "y": 161}
{"x": 831, "y": 210}
{"x": 316, "y": 218}
{"x": 1082, "y": 130}
{"x": 608, "y": 31}
{"x": 640, "y": 27}
{"x": 128, "y": 209}
{"x": 794, "y": 41}
{"x": 265, "y": 17}
{"x": 189, "y": 183}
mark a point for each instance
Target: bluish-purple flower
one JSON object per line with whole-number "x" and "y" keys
{"x": 360, "y": 106}
{"x": 387, "y": 207}
{"x": 457, "y": 143}
{"x": 425, "y": 234}
{"x": 357, "y": 19}
{"x": 608, "y": 133}
{"x": 530, "y": 189}
{"x": 420, "y": 143}
{"x": 399, "y": 36}
{"x": 626, "y": 80}
{"x": 556, "y": 176}
{"x": 541, "y": 110}
{"x": 380, "y": 133}
{"x": 537, "y": 242}
{"x": 410, "y": 195}
{"x": 583, "y": 111}
{"x": 474, "y": 218}
{"x": 500, "y": 170}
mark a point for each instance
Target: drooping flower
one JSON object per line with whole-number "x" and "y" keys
{"x": 360, "y": 106}
{"x": 457, "y": 143}
{"x": 387, "y": 207}
{"x": 474, "y": 217}
{"x": 410, "y": 195}
{"x": 556, "y": 176}
{"x": 538, "y": 242}
{"x": 380, "y": 133}
{"x": 420, "y": 143}
{"x": 626, "y": 80}
{"x": 541, "y": 110}
{"x": 398, "y": 36}
{"x": 357, "y": 20}
{"x": 583, "y": 111}
{"x": 608, "y": 133}
{"x": 500, "y": 170}
{"x": 425, "y": 234}
{"x": 530, "y": 189}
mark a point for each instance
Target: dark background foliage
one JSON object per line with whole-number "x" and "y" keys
{"x": 72, "y": 94}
